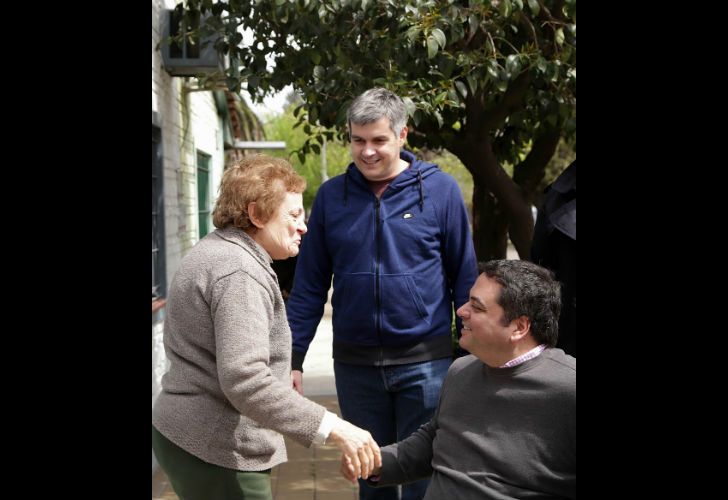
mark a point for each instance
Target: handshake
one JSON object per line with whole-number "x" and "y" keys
{"x": 361, "y": 456}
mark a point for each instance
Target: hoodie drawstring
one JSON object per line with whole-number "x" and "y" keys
{"x": 422, "y": 197}
{"x": 346, "y": 186}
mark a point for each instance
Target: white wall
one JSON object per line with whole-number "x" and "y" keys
{"x": 205, "y": 120}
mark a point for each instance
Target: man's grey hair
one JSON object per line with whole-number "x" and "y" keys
{"x": 377, "y": 103}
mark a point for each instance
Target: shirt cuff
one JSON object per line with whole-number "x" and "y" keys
{"x": 327, "y": 424}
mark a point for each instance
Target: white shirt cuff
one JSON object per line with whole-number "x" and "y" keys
{"x": 327, "y": 424}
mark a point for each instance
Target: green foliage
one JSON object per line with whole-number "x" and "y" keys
{"x": 282, "y": 128}
{"x": 440, "y": 55}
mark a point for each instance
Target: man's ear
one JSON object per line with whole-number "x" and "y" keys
{"x": 253, "y": 215}
{"x": 403, "y": 136}
{"x": 523, "y": 328}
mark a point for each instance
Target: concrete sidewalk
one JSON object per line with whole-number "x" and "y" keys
{"x": 310, "y": 473}
{"x": 318, "y": 367}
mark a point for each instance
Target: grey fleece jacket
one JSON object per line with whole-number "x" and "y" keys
{"x": 227, "y": 396}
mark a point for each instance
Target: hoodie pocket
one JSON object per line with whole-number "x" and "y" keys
{"x": 353, "y": 303}
{"x": 402, "y": 307}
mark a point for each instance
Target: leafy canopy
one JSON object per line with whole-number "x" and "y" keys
{"x": 443, "y": 57}
{"x": 492, "y": 81}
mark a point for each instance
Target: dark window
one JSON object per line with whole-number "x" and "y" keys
{"x": 203, "y": 192}
{"x": 158, "y": 264}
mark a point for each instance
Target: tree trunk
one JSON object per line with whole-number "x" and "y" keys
{"x": 520, "y": 228}
{"x": 490, "y": 225}
{"x": 499, "y": 206}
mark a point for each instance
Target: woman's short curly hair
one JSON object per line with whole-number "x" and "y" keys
{"x": 260, "y": 178}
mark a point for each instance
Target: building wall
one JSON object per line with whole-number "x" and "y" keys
{"x": 204, "y": 119}
{"x": 188, "y": 121}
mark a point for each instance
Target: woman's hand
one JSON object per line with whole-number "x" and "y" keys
{"x": 360, "y": 451}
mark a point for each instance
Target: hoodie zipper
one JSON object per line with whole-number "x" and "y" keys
{"x": 377, "y": 295}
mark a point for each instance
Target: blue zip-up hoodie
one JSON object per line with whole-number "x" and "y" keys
{"x": 399, "y": 264}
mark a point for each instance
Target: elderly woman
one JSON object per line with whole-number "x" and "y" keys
{"x": 228, "y": 398}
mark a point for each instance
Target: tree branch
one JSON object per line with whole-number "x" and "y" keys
{"x": 529, "y": 173}
{"x": 531, "y": 29}
{"x": 549, "y": 19}
{"x": 513, "y": 99}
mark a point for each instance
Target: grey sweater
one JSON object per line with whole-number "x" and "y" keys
{"x": 227, "y": 396}
{"x": 505, "y": 433}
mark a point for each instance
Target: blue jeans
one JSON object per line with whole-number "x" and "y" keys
{"x": 390, "y": 402}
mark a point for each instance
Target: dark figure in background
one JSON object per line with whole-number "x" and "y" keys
{"x": 285, "y": 269}
{"x": 554, "y": 247}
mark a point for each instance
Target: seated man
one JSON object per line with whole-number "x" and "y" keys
{"x": 505, "y": 426}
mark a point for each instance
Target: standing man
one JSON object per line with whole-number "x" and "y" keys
{"x": 394, "y": 233}
{"x": 505, "y": 426}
